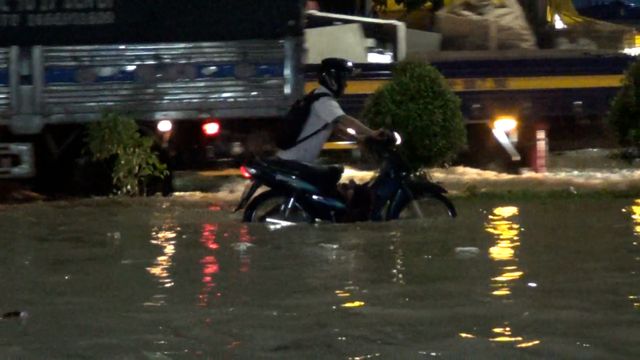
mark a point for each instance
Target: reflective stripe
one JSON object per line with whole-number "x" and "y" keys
{"x": 340, "y": 145}
{"x": 363, "y": 87}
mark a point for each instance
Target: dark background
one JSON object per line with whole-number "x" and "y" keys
{"x": 169, "y": 20}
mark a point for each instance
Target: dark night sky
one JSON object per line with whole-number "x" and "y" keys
{"x": 583, "y": 3}
{"x": 151, "y": 21}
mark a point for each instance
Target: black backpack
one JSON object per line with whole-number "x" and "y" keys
{"x": 293, "y": 122}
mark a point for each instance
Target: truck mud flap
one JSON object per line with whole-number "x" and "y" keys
{"x": 16, "y": 161}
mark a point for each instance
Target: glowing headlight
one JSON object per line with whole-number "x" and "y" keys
{"x": 505, "y": 123}
{"x": 398, "y": 138}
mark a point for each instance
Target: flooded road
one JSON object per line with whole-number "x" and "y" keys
{"x": 182, "y": 278}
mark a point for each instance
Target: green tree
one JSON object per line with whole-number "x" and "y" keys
{"x": 418, "y": 104}
{"x": 116, "y": 138}
{"x": 625, "y": 109}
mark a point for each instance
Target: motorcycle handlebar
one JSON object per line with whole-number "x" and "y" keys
{"x": 383, "y": 140}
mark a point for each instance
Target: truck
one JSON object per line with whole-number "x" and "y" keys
{"x": 186, "y": 71}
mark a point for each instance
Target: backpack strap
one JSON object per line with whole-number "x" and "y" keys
{"x": 313, "y": 97}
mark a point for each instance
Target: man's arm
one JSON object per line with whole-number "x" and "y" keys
{"x": 352, "y": 129}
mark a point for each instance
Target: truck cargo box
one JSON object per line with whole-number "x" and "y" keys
{"x": 51, "y": 22}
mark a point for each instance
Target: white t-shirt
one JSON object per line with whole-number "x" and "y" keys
{"x": 323, "y": 111}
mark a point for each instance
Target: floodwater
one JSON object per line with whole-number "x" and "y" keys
{"x": 182, "y": 278}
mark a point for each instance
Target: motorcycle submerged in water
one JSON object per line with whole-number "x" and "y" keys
{"x": 299, "y": 192}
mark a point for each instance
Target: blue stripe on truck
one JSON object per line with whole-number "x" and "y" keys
{"x": 75, "y": 75}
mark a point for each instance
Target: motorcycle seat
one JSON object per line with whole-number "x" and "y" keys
{"x": 325, "y": 176}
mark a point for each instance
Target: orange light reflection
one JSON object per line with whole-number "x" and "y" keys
{"x": 164, "y": 238}
{"x": 503, "y": 226}
{"x": 353, "y": 304}
{"x": 635, "y": 218}
{"x": 506, "y": 232}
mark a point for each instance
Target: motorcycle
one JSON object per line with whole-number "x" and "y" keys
{"x": 300, "y": 192}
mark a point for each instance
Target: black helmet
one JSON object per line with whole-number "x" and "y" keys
{"x": 333, "y": 74}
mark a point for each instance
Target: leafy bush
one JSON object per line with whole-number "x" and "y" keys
{"x": 419, "y": 105}
{"x": 116, "y": 138}
{"x": 625, "y": 109}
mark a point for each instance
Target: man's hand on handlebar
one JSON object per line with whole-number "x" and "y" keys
{"x": 383, "y": 136}
{"x": 376, "y": 143}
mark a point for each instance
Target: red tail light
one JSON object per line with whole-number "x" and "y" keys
{"x": 245, "y": 173}
{"x": 211, "y": 128}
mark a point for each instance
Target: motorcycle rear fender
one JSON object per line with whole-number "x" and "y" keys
{"x": 248, "y": 194}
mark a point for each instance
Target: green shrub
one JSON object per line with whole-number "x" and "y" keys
{"x": 421, "y": 107}
{"x": 625, "y": 109}
{"x": 116, "y": 138}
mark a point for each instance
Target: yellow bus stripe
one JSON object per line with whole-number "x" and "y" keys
{"x": 364, "y": 87}
{"x": 536, "y": 83}
{"x": 355, "y": 87}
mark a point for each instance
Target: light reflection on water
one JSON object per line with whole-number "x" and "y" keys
{"x": 503, "y": 224}
{"x": 210, "y": 266}
{"x": 188, "y": 281}
{"x": 245, "y": 241}
{"x": 635, "y": 218}
{"x": 506, "y": 232}
{"x": 398, "y": 257}
{"x": 164, "y": 237}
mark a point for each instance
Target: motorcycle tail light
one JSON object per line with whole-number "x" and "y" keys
{"x": 246, "y": 173}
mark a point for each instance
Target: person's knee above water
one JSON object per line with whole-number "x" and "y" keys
{"x": 327, "y": 116}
